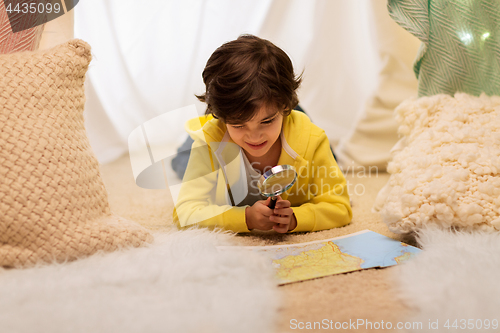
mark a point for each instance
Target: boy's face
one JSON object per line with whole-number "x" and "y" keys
{"x": 257, "y": 135}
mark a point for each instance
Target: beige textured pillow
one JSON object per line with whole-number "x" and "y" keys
{"x": 53, "y": 204}
{"x": 447, "y": 173}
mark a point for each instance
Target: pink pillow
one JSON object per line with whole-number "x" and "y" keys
{"x": 26, "y": 40}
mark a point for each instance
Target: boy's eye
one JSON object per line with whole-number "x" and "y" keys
{"x": 268, "y": 121}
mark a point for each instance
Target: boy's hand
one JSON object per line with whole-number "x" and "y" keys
{"x": 283, "y": 216}
{"x": 257, "y": 216}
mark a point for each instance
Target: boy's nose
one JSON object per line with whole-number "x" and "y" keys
{"x": 254, "y": 136}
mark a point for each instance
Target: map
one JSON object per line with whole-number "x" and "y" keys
{"x": 305, "y": 261}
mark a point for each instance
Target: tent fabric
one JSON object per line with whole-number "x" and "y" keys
{"x": 375, "y": 133}
{"x": 460, "y": 49}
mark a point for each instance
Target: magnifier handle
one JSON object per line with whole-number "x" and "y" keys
{"x": 272, "y": 204}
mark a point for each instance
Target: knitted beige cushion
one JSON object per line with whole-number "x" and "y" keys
{"x": 53, "y": 204}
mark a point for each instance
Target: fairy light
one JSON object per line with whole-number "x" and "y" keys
{"x": 466, "y": 37}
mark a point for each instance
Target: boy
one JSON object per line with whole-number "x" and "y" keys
{"x": 249, "y": 127}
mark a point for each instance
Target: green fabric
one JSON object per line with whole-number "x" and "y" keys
{"x": 460, "y": 49}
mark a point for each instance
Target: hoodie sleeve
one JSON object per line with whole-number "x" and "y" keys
{"x": 328, "y": 205}
{"x": 195, "y": 203}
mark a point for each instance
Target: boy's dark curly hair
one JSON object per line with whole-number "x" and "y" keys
{"x": 243, "y": 75}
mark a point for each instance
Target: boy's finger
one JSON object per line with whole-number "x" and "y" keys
{"x": 283, "y": 211}
{"x": 266, "y": 202}
{"x": 269, "y": 224}
{"x": 283, "y": 204}
{"x": 280, "y": 219}
{"x": 265, "y": 211}
{"x": 280, "y": 228}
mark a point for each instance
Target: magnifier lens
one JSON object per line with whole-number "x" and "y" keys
{"x": 276, "y": 188}
{"x": 278, "y": 180}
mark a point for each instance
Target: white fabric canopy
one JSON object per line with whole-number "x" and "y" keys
{"x": 370, "y": 141}
{"x": 148, "y": 59}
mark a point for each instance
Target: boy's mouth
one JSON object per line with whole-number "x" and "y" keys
{"x": 257, "y": 146}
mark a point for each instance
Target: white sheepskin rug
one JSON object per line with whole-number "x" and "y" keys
{"x": 180, "y": 283}
{"x": 448, "y": 171}
{"x": 455, "y": 277}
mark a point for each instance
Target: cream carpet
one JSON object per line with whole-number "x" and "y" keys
{"x": 367, "y": 295}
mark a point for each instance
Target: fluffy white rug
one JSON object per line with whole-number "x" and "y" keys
{"x": 455, "y": 277}
{"x": 178, "y": 284}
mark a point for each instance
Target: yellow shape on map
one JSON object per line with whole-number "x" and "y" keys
{"x": 327, "y": 260}
{"x": 403, "y": 257}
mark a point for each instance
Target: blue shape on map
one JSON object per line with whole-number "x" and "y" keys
{"x": 375, "y": 249}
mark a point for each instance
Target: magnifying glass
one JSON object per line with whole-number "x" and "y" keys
{"x": 277, "y": 181}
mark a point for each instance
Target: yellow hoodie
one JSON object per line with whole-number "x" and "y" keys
{"x": 319, "y": 197}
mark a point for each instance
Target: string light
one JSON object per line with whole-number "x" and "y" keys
{"x": 465, "y": 37}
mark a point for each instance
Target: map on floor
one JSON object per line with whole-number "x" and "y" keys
{"x": 311, "y": 260}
